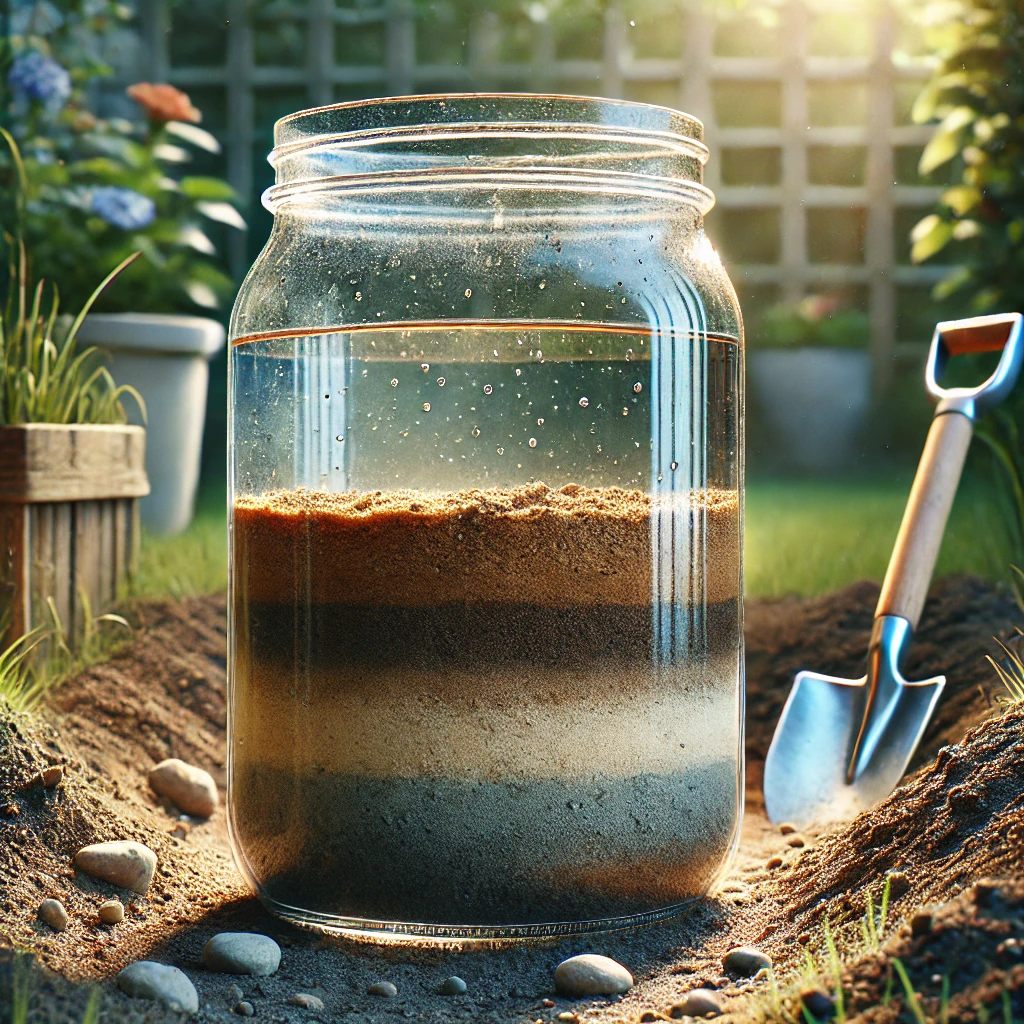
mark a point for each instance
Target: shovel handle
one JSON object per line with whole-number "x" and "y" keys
{"x": 917, "y": 544}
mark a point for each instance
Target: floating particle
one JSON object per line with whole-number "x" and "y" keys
{"x": 425, "y": 367}
{"x": 540, "y": 421}
{"x": 501, "y": 451}
{"x": 440, "y": 382}
{"x": 426, "y": 407}
{"x": 584, "y": 402}
{"x": 637, "y": 388}
{"x": 359, "y": 296}
{"x": 475, "y": 431}
{"x": 533, "y": 442}
{"x": 674, "y": 466}
{"x": 340, "y": 437}
{"x": 468, "y": 292}
{"x": 519, "y": 372}
{"x": 488, "y": 389}
{"x": 625, "y": 411}
{"x": 542, "y": 285}
{"x": 394, "y": 382}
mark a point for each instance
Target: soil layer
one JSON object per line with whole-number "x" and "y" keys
{"x": 939, "y": 839}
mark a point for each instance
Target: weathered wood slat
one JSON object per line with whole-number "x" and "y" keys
{"x": 80, "y": 462}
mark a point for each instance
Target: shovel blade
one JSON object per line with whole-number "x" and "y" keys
{"x": 811, "y": 775}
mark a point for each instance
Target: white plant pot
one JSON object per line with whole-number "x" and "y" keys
{"x": 815, "y": 400}
{"x": 166, "y": 358}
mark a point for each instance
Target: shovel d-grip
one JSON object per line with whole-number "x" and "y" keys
{"x": 842, "y": 745}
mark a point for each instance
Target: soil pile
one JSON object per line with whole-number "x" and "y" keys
{"x": 956, "y": 823}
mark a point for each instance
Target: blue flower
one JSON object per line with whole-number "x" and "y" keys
{"x": 122, "y": 207}
{"x": 34, "y": 76}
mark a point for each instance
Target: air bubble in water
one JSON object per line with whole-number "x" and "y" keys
{"x": 488, "y": 389}
{"x": 425, "y": 367}
{"x": 542, "y": 285}
{"x": 519, "y": 372}
{"x": 394, "y": 382}
{"x": 426, "y": 407}
{"x": 501, "y": 451}
{"x": 674, "y": 466}
{"x": 475, "y": 431}
{"x": 468, "y": 292}
{"x": 637, "y": 388}
{"x": 625, "y": 411}
{"x": 584, "y": 402}
{"x": 533, "y": 442}
{"x": 340, "y": 437}
{"x": 440, "y": 382}
{"x": 540, "y": 421}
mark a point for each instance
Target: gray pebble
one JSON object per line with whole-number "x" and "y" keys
{"x": 453, "y": 986}
{"x": 160, "y": 983}
{"x": 129, "y": 865}
{"x": 698, "y": 1002}
{"x": 111, "y": 912}
{"x": 306, "y": 1001}
{"x": 592, "y": 975}
{"x": 54, "y": 914}
{"x": 383, "y": 988}
{"x": 189, "y": 788}
{"x": 242, "y": 953}
{"x": 745, "y": 962}
{"x": 235, "y": 995}
{"x": 244, "y": 1009}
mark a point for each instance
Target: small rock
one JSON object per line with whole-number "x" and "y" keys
{"x": 111, "y": 912}
{"x": 796, "y": 840}
{"x": 453, "y": 986}
{"x": 235, "y": 995}
{"x": 899, "y": 884}
{"x": 698, "y": 1002}
{"x": 244, "y": 1009}
{"x": 592, "y": 975}
{"x": 787, "y": 829}
{"x": 54, "y": 914}
{"x": 187, "y": 787}
{"x": 161, "y": 983}
{"x": 306, "y": 1001}
{"x": 921, "y": 923}
{"x": 648, "y": 1017}
{"x": 52, "y": 776}
{"x": 745, "y": 962}
{"x": 567, "y": 1015}
{"x": 773, "y": 863}
{"x": 383, "y": 988}
{"x": 129, "y": 865}
{"x": 547, "y": 1003}
{"x": 820, "y": 1005}
{"x": 242, "y": 953}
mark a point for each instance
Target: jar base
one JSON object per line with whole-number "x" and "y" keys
{"x": 418, "y": 934}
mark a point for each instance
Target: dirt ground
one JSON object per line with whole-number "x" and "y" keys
{"x": 941, "y": 837}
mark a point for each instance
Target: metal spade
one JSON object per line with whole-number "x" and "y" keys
{"x": 841, "y": 745}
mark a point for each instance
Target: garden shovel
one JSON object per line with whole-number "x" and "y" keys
{"x": 841, "y": 745}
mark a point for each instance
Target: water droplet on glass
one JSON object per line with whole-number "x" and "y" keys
{"x": 440, "y": 382}
{"x": 340, "y": 437}
{"x": 637, "y": 388}
{"x": 488, "y": 389}
{"x": 660, "y": 478}
{"x": 674, "y": 466}
{"x": 426, "y": 407}
{"x": 468, "y": 292}
{"x": 540, "y": 421}
{"x": 584, "y": 402}
{"x": 394, "y": 382}
{"x": 475, "y": 431}
{"x": 533, "y": 442}
{"x": 425, "y": 367}
{"x": 501, "y": 451}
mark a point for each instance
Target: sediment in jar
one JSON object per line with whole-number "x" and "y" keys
{"x": 452, "y": 709}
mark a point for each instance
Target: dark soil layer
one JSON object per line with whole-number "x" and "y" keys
{"x": 959, "y": 821}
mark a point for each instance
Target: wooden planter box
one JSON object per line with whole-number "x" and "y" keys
{"x": 69, "y": 521}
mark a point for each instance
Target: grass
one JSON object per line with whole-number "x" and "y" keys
{"x": 803, "y": 537}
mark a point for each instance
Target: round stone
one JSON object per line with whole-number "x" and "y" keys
{"x": 796, "y": 840}
{"x": 306, "y": 1001}
{"x": 453, "y": 986}
{"x": 127, "y": 864}
{"x": 53, "y": 913}
{"x": 383, "y": 988}
{"x": 786, "y": 828}
{"x": 244, "y": 1009}
{"x": 242, "y": 953}
{"x": 162, "y": 984}
{"x": 745, "y": 962}
{"x": 698, "y": 1002}
{"x": 189, "y": 788}
{"x": 111, "y": 912}
{"x": 592, "y": 975}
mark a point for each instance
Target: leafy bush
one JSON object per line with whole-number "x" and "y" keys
{"x": 99, "y": 190}
{"x": 814, "y": 321}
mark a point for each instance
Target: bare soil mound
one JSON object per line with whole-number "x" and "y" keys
{"x": 958, "y": 821}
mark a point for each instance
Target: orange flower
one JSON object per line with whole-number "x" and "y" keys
{"x": 164, "y": 103}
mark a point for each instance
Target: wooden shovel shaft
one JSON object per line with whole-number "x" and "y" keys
{"x": 924, "y": 522}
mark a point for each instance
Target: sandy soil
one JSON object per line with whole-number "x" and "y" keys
{"x": 957, "y": 822}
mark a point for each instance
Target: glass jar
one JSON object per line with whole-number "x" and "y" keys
{"x": 486, "y": 485}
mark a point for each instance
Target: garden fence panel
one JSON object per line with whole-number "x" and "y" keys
{"x": 784, "y": 229}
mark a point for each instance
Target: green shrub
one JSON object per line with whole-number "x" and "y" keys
{"x": 816, "y": 321}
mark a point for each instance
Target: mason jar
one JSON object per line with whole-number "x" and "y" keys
{"x": 486, "y": 476}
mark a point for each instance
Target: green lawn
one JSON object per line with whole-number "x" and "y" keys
{"x": 802, "y": 537}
